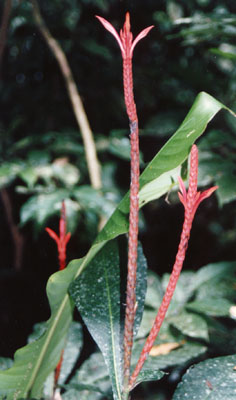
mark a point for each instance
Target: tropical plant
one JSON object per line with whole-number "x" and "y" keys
{"x": 130, "y": 350}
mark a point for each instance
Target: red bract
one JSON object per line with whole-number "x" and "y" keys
{"x": 62, "y": 239}
{"x": 125, "y": 39}
{"x": 191, "y": 201}
{"x": 193, "y": 198}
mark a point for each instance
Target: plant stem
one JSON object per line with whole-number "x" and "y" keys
{"x": 133, "y": 217}
{"x": 77, "y": 105}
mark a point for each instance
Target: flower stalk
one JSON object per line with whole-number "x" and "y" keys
{"x": 127, "y": 45}
{"x": 190, "y": 201}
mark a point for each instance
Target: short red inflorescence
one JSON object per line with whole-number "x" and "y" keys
{"x": 190, "y": 201}
{"x": 62, "y": 239}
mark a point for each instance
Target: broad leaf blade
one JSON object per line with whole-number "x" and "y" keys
{"x": 93, "y": 374}
{"x": 72, "y": 350}
{"x": 213, "y": 379}
{"x": 169, "y": 158}
{"x": 96, "y": 294}
{"x": 213, "y": 307}
{"x": 187, "y": 352}
{"x": 190, "y": 324}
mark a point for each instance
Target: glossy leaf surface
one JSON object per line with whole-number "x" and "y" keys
{"x": 72, "y": 350}
{"x": 90, "y": 381}
{"x": 185, "y": 353}
{"x": 96, "y": 294}
{"x": 213, "y": 379}
{"x": 191, "y": 325}
{"x": 141, "y": 288}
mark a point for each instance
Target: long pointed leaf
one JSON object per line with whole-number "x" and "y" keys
{"x": 35, "y": 361}
{"x": 156, "y": 179}
{"x": 96, "y": 294}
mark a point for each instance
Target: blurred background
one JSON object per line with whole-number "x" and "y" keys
{"x": 42, "y": 157}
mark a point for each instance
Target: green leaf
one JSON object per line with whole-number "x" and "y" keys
{"x": 224, "y": 54}
{"x": 40, "y": 207}
{"x": 214, "y": 307}
{"x": 120, "y": 147}
{"x": 94, "y": 375}
{"x": 71, "y": 351}
{"x": 38, "y": 330}
{"x": 149, "y": 375}
{"x": 96, "y": 294}
{"x": 146, "y": 324}
{"x": 79, "y": 387}
{"x": 5, "y": 363}
{"x": 29, "y": 176}
{"x": 167, "y": 161}
{"x": 66, "y": 173}
{"x": 191, "y": 325}
{"x": 8, "y": 171}
{"x": 219, "y": 168}
{"x": 73, "y": 347}
{"x": 184, "y": 290}
{"x": 216, "y": 281}
{"x": 185, "y": 353}
{"x": 155, "y": 291}
{"x": 34, "y": 362}
{"x": 213, "y": 379}
{"x": 40, "y": 354}
{"x": 215, "y": 270}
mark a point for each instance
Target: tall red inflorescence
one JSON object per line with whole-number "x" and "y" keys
{"x": 127, "y": 45}
{"x": 190, "y": 201}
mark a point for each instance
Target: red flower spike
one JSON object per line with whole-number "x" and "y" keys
{"x": 191, "y": 201}
{"x": 61, "y": 240}
{"x": 125, "y": 39}
{"x": 127, "y": 45}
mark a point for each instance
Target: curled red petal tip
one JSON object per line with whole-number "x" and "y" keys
{"x": 125, "y": 39}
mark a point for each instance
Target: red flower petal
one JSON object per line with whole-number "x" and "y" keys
{"x": 140, "y": 36}
{"x": 112, "y": 30}
{"x": 53, "y": 235}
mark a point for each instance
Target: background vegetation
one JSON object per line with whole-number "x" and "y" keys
{"x": 42, "y": 156}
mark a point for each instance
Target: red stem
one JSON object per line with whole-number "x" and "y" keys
{"x": 133, "y": 216}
